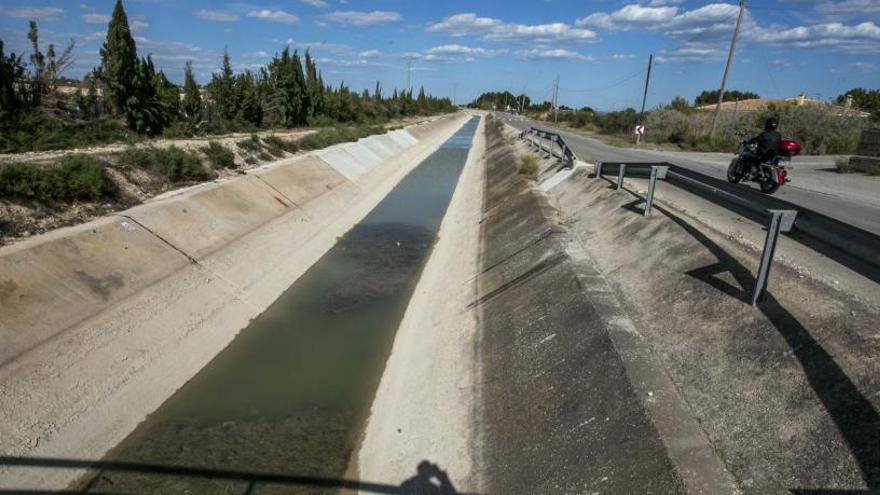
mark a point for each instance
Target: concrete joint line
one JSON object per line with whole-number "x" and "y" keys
{"x": 540, "y": 237}
{"x": 157, "y": 236}
{"x": 234, "y": 290}
{"x": 532, "y": 272}
{"x": 292, "y": 202}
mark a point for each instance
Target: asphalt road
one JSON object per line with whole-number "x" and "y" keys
{"x": 850, "y": 198}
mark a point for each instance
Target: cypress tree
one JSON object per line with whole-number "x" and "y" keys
{"x": 12, "y": 72}
{"x": 192, "y": 99}
{"x": 300, "y": 99}
{"x": 119, "y": 61}
{"x": 222, "y": 91}
{"x": 145, "y": 111}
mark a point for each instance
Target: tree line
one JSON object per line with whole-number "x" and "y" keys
{"x": 127, "y": 95}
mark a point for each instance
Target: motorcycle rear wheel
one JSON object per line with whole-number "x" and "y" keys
{"x": 768, "y": 185}
{"x": 732, "y": 176}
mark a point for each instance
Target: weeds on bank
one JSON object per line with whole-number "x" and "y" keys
{"x": 528, "y": 166}
{"x": 219, "y": 155}
{"x": 72, "y": 178}
{"x": 335, "y": 135}
{"x": 173, "y": 163}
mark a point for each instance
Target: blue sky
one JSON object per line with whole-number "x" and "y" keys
{"x": 598, "y": 48}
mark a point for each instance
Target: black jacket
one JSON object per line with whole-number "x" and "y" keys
{"x": 768, "y": 144}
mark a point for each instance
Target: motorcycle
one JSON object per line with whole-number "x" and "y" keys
{"x": 769, "y": 174}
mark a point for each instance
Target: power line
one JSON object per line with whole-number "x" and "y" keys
{"x": 600, "y": 89}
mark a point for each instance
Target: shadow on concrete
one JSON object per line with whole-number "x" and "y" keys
{"x": 428, "y": 480}
{"x": 758, "y": 213}
{"x": 852, "y": 413}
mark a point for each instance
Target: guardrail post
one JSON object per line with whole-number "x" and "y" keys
{"x": 620, "y": 173}
{"x": 657, "y": 172}
{"x": 780, "y": 221}
{"x": 598, "y": 170}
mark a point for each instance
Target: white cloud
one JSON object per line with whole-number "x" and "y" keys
{"x": 215, "y": 16}
{"x": 274, "y": 16}
{"x": 464, "y": 25}
{"x": 487, "y": 28}
{"x": 320, "y": 46}
{"x": 315, "y": 3}
{"x": 369, "y": 54}
{"x": 96, "y": 18}
{"x": 629, "y": 17}
{"x": 849, "y": 7}
{"x": 138, "y": 25}
{"x": 708, "y": 29}
{"x": 356, "y": 63}
{"x": 361, "y": 19}
{"x": 622, "y": 56}
{"x": 691, "y": 53}
{"x": 716, "y": 17}
{"x": 46, "y": 13}
{"x": 864, "y": 67}
{"x": 452, "y": 53}
{"x": 858, "y": 38}
{"x": 556, "y": 53}
{"x": 259, "y": 54}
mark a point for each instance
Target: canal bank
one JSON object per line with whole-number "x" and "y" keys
{"x": 160, "y": 313}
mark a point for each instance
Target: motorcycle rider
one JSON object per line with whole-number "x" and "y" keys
{"x": 768, "y": 146}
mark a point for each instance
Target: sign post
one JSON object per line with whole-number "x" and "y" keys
{"x": 640, "y": 131}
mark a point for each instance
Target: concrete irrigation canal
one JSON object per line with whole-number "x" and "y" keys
{"x": 438, "y": 309}
{"x": 290, "y": 394}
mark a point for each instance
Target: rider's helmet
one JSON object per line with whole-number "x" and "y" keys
{"x": 771, "y": 124}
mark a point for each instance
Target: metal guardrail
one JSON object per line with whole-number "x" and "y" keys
{"x": 846, "y": 244}
{"x": 537, "y": 136}
{"x": 778, "y": 221}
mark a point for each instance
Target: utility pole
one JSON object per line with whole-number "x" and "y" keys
{"x": 556, "y": 101}
{"x": 454, "y": 88}
{"x": 522, "y": 100}
{"x": 408, "y": 74}
{"x": 742, "y": 10}
{"x": 645, "y": 97}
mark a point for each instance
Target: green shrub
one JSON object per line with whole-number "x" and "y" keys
{"x": 173, "y": 163}
{"x": 274, "y": 145}
{"x": 250, "y": 145}
{"x": 335, "y": 135}
{"x": 74, "y": 177}
{"x": 528, "y": 166}
{"x": 218, "y": 155}
{"x": 39, "y": 131}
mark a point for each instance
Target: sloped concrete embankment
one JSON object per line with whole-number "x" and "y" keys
{"x": 565, "y": 409}
{"x": 787, "y": 392}
{"x": 102, "y": 322}
{"x": 425, "y": 406}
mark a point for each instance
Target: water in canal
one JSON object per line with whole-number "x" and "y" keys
{"x": 291, "y": 393}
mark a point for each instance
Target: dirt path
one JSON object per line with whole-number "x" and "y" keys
{"x": 424, "y": 409}
{"x": 190, "y": 144}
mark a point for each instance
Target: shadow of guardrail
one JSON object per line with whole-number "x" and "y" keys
{"x": 852, "y": 247}
{"x": 428, "y": 480}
